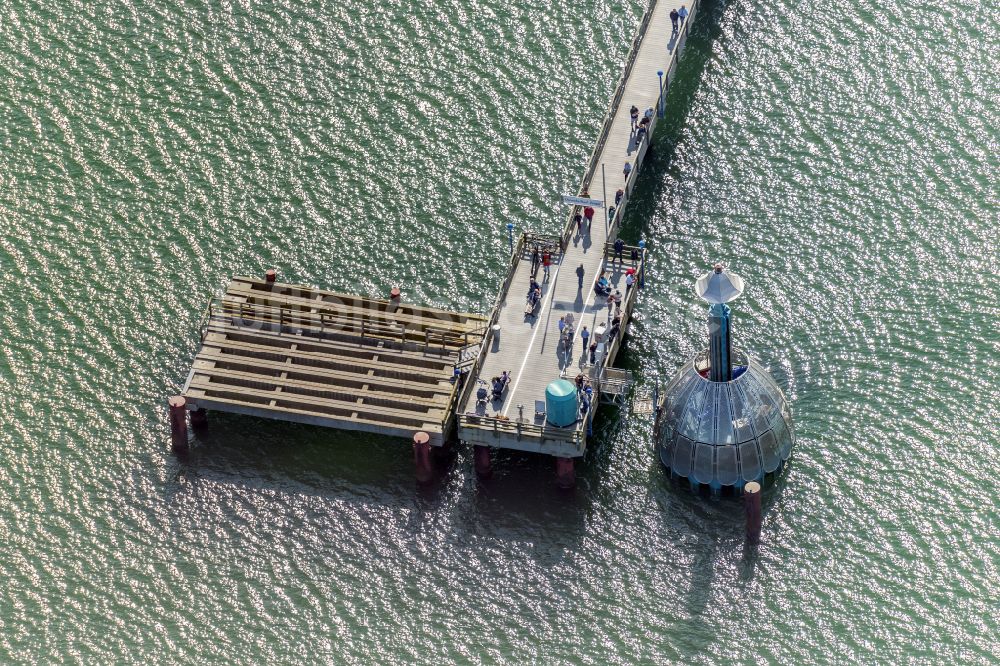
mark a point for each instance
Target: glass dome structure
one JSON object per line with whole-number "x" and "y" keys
{"x": 723, "y": 433}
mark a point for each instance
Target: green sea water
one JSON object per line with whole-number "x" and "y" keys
{"x": 841, "y": 157}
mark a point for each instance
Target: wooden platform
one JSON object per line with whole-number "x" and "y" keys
{"x": 301, "y": 354}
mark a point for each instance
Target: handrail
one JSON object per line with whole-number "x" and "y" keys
{"x": 206, "y": 317}
{"x": 510, "y": 426}
{"x": 609, "y": 116}
{"x": 544, "y": 241}
{"x": 355, "y": 326}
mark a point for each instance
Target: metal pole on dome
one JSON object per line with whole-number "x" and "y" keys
{"x": 718, "y": 287}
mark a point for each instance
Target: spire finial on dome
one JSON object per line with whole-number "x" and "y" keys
{"x": 719, "y": 285}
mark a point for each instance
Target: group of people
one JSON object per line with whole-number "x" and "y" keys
{"x": 534, "y": 294}
{"x": 499, "y": 384}
{"x": 588, "y": 216}
{"x": 585, "y": 392}
{"x": 543, "y": 258}
{"x": 678, "y": 16}
{"x": 640, "y": 128}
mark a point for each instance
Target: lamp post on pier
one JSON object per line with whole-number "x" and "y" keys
{"x": 659, "y": 107}
{"x": 604, "y": 186}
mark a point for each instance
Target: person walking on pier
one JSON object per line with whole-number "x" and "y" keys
{"x": 580, "y": 272}
{"x": 546, "y": 263}
{"x": 585, "y": 338}
{"x": 673, "y": 18}
{"x": 682, "y": 13}
{"x": 535, "y": 259}
{"x": 634, "y": 113}
{"x": 619, "y": 248}
{"x": 588, "y": 213}
{"x": 578, "y": 220}
{"x": 619, "y": 195}
{"x": 562, "y": 326}
{"x": 627, "y": 170}
{"x": 629, "y": 281}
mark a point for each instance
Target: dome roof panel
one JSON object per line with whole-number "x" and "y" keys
{"x": 769, "y": 451}
{"x": 682, "y": 456}
{"x": 727, "y": 471}
{"x": 749, "y": 461}
{"x": 703, "y": 463}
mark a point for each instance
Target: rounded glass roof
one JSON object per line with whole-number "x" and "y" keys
{"x": 724, "y": 433}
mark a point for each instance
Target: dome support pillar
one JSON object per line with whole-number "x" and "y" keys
{"x": 720, "y": 344}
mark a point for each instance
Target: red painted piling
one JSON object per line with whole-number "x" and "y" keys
{"x": 178, "y": 421}
{"x": 751, "y": 503}
{"x": 422, "y": 457}
{"x": 199, "y": 418}
{"x": 484, "y": 466}
{"x": 565, "y": 473}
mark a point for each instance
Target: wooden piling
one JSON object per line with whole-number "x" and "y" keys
{"x": 751, "y": 504}
{"x": 422, "y": 457}
{"x": 484, "y": 466}
{"x": 565, "y": 473}
{"x": 178, "y": 422}
{"x": 199, "y": 419}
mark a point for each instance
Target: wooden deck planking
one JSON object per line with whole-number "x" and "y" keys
{"x": 331, "y": 378}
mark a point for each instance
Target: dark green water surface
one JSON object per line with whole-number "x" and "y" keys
{"x": 841, "y": 156}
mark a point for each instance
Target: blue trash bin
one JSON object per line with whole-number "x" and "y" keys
{"x": 560, "y": 403}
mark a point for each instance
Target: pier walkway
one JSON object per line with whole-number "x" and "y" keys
{"x": 529, "y": 346}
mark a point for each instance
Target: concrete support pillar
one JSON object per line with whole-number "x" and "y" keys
{"x": 422, "y": 457}
{"x": 271, "y": 275}
{"x": 565, "y": 473}
{"x": 199, "y": 419}
{"x": 751, "y": 503}
{"x": 484, "y": 466}
{"x": 178, "y": 422}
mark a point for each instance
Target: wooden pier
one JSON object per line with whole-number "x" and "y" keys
{"x": 302, "y": 354}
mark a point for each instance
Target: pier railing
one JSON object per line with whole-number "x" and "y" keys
{"x": 520, "y": 429}
{"x": 332, "y": 325}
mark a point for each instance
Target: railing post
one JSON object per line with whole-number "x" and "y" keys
{"x": 642, "y": 264}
